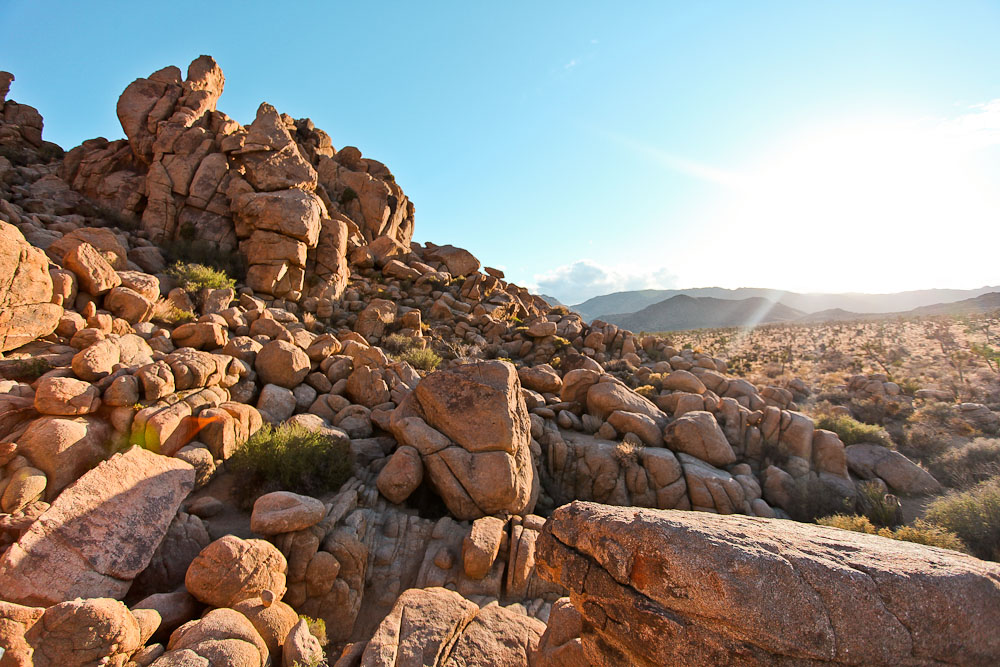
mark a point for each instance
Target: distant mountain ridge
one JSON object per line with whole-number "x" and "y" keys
{"x": 620, "y": 304}
{"x": 687, "y": 312}
{"x": 683, "y": 312}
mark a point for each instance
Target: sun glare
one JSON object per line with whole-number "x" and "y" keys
{"x": 874, "y": 206}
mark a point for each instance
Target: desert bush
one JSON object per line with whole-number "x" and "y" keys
{"x": 973, "y": 515}
{"x": 398, "y": 343}
{"x": 880, "y": 507}
{"x": 206, "y": 253}
{"x": 852, "y": 432}
{"x": 424, "y": 359}
{"x": 289, "y": 458}
{"x": 317, "y": 627}
{"x": 29, "y": 370}
{"x": 195, "y": 277}
{"x": 168, "y": 313}
{"x": 921, "y": 532}
{"x": 909, "y": 386}
{"x": 647, "y": 390}
{"x": 628, "y": 450}
{"x": 18, "y": 155}
{"x": 925, "y": 442}
{"x": 970, "y": 463}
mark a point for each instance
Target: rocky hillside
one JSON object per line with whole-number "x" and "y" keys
{"x": 354, "y": 449}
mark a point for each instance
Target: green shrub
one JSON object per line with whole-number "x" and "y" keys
{"x": 921, "y": 532}
{"x": 209, "y": 254}
{"x": 29, "y": 370}
{"x": 424, "y": 359}
{"x": 852, "y": 432}
{"x": 317, "y": 626}
{"x": 347, "y": 196}
{"x": 398, "y": 343}
{"x": 973, "y": 515}
{"x": 880, "y": 507}
{"x": 648, "y": 391}
{"x": 168, "y": 313}
{"x": 289, "y": 458}
{"x": 194, "y": 277}
{"x": 966, "y": 465}
{"x": 628, "y": 451}
{"x": 931, "y": 534}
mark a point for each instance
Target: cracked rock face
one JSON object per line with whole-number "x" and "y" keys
{"x": 668, "y": 587}
{"x": 471, "y": 428}
{"x": 25, "y": 291}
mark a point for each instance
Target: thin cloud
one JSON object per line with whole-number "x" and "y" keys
{"x": 571, "y": 64}
{"x": 978, "y": 127}
{"x": 680, "y": 164}
{"x": 575, "y": 283}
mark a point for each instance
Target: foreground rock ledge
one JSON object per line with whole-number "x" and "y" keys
{"x": 683, "y": 588}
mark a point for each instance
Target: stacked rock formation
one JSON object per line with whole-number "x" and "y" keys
{"x": 471, "y": 410}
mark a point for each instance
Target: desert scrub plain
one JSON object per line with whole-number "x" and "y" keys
{"x": 928, "y": 387}
{"x": 246, "y": 420}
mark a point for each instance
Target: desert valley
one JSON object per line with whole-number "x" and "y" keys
{"x": 245, "y": 419}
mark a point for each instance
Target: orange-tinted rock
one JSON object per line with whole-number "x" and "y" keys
{"x": 26, "y": 308}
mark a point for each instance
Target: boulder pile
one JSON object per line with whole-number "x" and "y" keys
{"x": 470, "y": 418}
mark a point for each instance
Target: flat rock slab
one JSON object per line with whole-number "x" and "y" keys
{"x": 99, "y": 533}
{"x": 691, "y": 588}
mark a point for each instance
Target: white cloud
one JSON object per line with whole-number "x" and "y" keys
{"x": 979, "y": 127}
{"x": 571, "y": 64}
{"x": 583, "y": 279}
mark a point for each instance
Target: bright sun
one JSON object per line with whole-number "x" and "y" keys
{"x": 873, "y": 206}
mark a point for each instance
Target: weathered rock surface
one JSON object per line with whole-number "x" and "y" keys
{"x": 79, "y": 633}
{"x": 438, "y": 627}
{"x": 666, "y": 587}
{"x": 231, "y": 569}
{"x": 471, "y": 427}
{"x": 900, "y": 473}
{"x": 220, "y": 637}
{"x": 114, "y": 517}
{"x": 285, "y": 512}
{"x": 26, "y": 308}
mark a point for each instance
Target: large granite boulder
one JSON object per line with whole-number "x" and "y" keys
{"x": 662, "y": 587}
{"x": 114, "y": 517}
{"x": 471, "y": 427}
{"x": 26, "y": 308}
{"x": 437, "y": 627}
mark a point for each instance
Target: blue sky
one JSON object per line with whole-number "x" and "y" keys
{"x": 588, "y": 147}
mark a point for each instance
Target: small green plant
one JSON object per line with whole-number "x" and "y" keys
{"x": 880, "y": 507}
{"x": 194, "y": 277}
{"x": 206, "y": 253}
{"x": 317, "y": 627}
{"x": 424, "y": 359}
{"x": 559, "y": 342}
{"x": 289, "y": 458}
{"x": 29, "y": 370}
{"x": 973, "y": 515}
{"x": 852, "y": 432}
{"x": 168, "y": 313}
{"x": 909, "y": 386}
{"x": 921, "y": 532}
{"x": 628, "y": 450}
{"x": 347, "y": 196}
{"x": 398, "y": 344}
{"x": 647, "y": 390}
